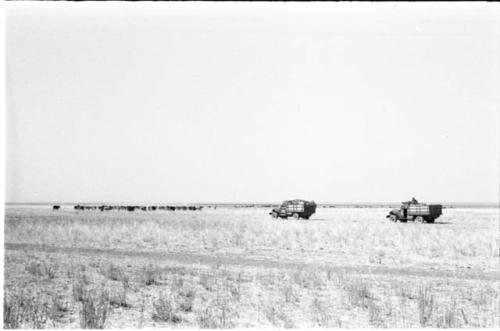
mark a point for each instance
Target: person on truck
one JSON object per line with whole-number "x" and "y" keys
{"x": 414, "y": 201}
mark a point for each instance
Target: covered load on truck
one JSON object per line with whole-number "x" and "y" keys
{"x": 294, "y": 208}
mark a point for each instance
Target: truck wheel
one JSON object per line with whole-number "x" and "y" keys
{"x": 430, "y": 221}
{"x": 419, "y": 219}
{"x": 393, "y": 218}
{"x": 274, "y": 215}
{"x": 295, "y": 216}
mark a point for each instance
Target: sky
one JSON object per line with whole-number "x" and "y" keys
{"x": 192, "y": 102}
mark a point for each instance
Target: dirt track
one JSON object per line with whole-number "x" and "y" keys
{"x": 244, "y": 261}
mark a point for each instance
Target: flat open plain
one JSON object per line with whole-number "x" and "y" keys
{"x": 228, "y": 267}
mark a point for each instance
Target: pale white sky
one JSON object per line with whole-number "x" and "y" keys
{"x": 341, "y": 102}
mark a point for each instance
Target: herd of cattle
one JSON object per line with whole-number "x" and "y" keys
{"x": 131, "y": 208}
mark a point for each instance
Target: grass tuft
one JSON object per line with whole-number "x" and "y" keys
{"x": 165, "y": 311}
{"x": 94, "y": 309}
{"x": 25, "y": 310}
{"x": 113, "y": 272}
{"x": 151, "y": 275}
{"x": 375, "y": 315}
{"x": 359, "y": 294}
{"x": 425, "y": 305}
{"x": 118, "y": 297}
{"x": 40, "y": 269}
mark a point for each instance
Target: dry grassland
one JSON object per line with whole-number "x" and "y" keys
{"x": 281, "y": 273}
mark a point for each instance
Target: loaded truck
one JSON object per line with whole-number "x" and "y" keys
{"x": 294, "y": 208}
{"x": 415, "y": 211}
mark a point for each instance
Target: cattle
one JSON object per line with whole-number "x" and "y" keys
{"x": 133, "y": 208}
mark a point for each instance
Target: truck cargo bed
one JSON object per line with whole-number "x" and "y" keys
{"x": 418, "y": 210}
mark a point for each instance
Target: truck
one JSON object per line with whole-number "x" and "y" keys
{"x": 415, "y": 211}
{"x": 294, "y": 208}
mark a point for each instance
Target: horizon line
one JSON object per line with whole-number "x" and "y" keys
{"x": 249, "y": 203}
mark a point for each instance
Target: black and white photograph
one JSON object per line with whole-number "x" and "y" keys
{"x": 267, "y": 165}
